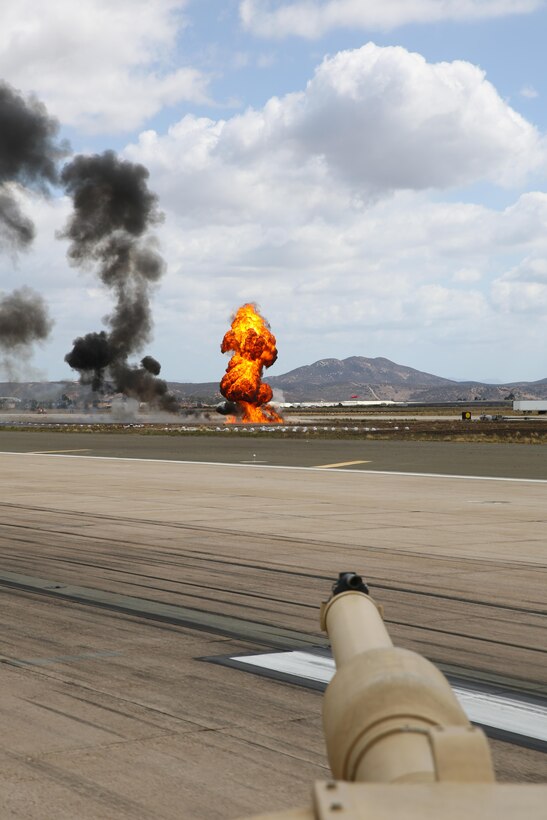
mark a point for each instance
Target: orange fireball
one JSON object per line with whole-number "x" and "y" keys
{"x": 253, "y": 346}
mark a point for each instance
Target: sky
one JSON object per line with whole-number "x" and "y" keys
{"x": 371, "y": 173}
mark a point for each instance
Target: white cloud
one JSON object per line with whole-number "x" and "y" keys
{"x": 531, "y": 270}
{"x": 465, "y": 275}
{"x": 523, "y": 289}
{"x": 437, "y": 304}
{"x": 379, "y": 119}
{"x": 529, "y": 92}
{"x": 374, "y": 281}
{"x": 389, "y": 116}
{"x": 332, "y": 279}
{"x": 263, "y": 207}
{"x": 98, "y": 66}
{"x": 314, "y": 18}
{"x": 307, "y": 206}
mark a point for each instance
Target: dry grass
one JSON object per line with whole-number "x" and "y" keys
{"x": 496, "y": 432}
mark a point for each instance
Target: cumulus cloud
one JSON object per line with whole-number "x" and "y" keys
{"x": 388, "y": 116}
{"x": 98, "y": 66}
{"x": 319, "y": 206}
{"x": 337, "y": 280}
{"x": 314, "y": 18}
{"x": 523, "y": 289}
{"x": 334, "y": 279}
{"x": 265, "y": 206}
{"x": 376, "y": 119}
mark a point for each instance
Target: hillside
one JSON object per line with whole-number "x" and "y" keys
{"x": 332, "y": 379}
{"x": 380, "y": 378}
{"x": 327, "y": 380}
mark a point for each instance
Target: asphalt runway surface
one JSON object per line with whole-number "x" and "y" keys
{"x": 448, "y": 458}
{"x": 120, "y": 577}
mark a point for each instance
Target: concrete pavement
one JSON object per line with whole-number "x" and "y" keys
{"x": 111, "y": 714}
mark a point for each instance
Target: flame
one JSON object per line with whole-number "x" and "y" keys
{"x": 253, "y": 347}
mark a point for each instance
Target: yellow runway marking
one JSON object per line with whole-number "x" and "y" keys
{"x": 341, "y": 464}
{"x": 45, "y": 452}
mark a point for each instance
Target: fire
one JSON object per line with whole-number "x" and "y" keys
{"x": 253, "y": 347}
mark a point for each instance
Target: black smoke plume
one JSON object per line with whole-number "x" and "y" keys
{"x": 152, "y": 365}
{"x": 29, "y": 153}
{"x": 24, "y": 319}
{"x": 91, "y": 354}
{"x": 110, "y": 229}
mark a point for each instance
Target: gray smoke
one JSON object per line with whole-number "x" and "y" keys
{"x": 16, "y": 229}
{"x": 110, "y": 229}
{"x": 24, "y": 319}
{"x": 29, "y": 153}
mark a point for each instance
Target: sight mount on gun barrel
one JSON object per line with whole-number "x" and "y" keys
{"x": 399, "y": 744}
{"x": 349, "y": 582}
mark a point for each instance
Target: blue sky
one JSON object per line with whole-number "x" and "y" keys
{"x": 369, "y": 200}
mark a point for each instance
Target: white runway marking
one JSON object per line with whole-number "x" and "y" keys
{"x": 514, "y": 715}
{"x": 287, "y": 467}
{"x": 51, "y": 452}
{"x": 340, "y": 464}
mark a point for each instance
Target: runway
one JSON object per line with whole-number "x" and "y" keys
{"x": 118, "y": 576}
{"x": 453, "y": 458}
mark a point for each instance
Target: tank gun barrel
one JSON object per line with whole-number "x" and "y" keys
{"x": 389, "y": 715}
{"x": 398, "y": 742}
{"x": 357, "y": 625}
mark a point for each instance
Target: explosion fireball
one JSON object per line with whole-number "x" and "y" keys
{"x": 253, "y": 347}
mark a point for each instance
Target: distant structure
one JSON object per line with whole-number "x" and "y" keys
{"x": 530, "y": 406}
{"x": 319, "y": 404}
{"x": 9, "y": 402}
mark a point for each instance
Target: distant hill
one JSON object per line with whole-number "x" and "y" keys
{"x": 329, "y": 380}
{"x": 380, "y": 378}
{"x": 358, "y": 370}
{"x": 374, "y": 379}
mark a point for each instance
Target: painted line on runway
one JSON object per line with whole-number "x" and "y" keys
{"x": 340, "y": 464}
{"x": 285, "y": 467}
{"x": 503, "y": 713}
{"x": 50, "y": 452}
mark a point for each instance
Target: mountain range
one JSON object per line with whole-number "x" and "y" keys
{"x": 376, "y": 379}
{"x": 329, "y": 380}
